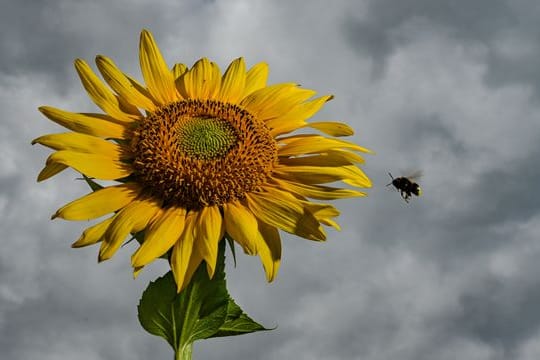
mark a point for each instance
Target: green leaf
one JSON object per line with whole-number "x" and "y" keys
{"x": 202, "y": 310}
{"x": 237, "y": 322}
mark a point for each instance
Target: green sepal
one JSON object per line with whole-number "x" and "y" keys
{"x": 93, "y": 185}
{"x": 230, "y": 241}
{"x": 202, "y": 310}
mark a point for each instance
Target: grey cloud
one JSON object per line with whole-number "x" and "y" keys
{"x": 494, "y": 26}
{"x": 371, "y": 291}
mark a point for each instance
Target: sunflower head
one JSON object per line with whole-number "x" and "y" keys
{"x": 202, "y": 152}
{"x": 198, "y": 154}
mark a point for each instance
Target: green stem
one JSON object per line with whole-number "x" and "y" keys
{"x": 184, "y": 353}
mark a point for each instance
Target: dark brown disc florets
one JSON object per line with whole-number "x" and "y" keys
{"x": 195, "y": 153}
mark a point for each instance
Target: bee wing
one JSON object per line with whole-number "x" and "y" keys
{"x": 415, "y": 175}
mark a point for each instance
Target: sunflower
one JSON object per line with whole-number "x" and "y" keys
{"x": 199, "y": 156}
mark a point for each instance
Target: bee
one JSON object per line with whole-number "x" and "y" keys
{"x": 406, "y": 185}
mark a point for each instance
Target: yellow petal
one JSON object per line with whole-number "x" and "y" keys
{"x": 95, "y": 166}
{"x": 345, "y": 154}
{"x": 270, "y": 250}
{"x": 324, "y": 213}
{"x": 318, "y": 191}
{"x": 323, "y": 174}
{"x": 256, "y": 78}
{"x": 137, "y": 271}
{"x": 203, "y": 81}
{"x": 311, "y": 144}
{"x": 93, "y": 234}
{"x": 282, "y": 210}
{"x": 120, "y": 83}
{"x": 183, "y": 251}
{"x": 178, "y": 70}
{"x": 101, "y": 95}
{"x": 81, "y": 143}
{"x": 131, "y": 219}
{"x": 274, "y": 100}
{"x": 160, "y": 236}
{"x": 156, "y": 74}
{"x": 241, "y": 225}
{"x": 99, "y": 203}
{"x": 325, "y": 159}
{"x": 296, "y": 117}
{"x": 208, "y": 231}
{"x": 284, "y": 104}
{"x": 194, "y": 261}
{"x": 50, "y": 170}
{"x": 91, "y": 124}
{"x": 233, "y": 82}
{"x": 332, "y": 128}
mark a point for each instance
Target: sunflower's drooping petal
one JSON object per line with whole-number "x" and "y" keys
{"x": 313, "y": 144}
{"x": 194, "y": 261}
{"x": 160, "y": 236}
{"x": 270, "y": 250}
{"x": 282, "y": 210}
{"x": 91, "y": 124}
{"x": 99, "y": 203}
{"x": 50, "y": 170}
{"x": 156, "y": 73}
{"x": 241, "y": 225}
{"x": 275, "y": 100}
{"x": 256, "y": 78}
{"x": 234, "y": 82}
{"x": 101, "y": 95}
{"x": 332, "y": 128}
{"x": 81, "y": 143}
{"x": 208, "y": 231}
{"x": 323, "y": 174}
{"x": 93, "y": 234}
{"x": 131, "y": 219}
{"x": 183, "y": 251}
{"x": 120, "y": 83}
{"x": 320, "y": 192}
{"x": 95, "y": 166}
{"x": 202, "y": 81}
{"x": 296, "y": 117}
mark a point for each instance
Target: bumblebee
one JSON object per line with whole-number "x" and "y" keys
{"x": 406, "y": 185}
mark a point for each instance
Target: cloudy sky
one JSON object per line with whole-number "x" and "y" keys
{"x": 449, "y": 87}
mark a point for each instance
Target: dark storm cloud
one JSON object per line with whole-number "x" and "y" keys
{"x": 377, "y": 33}
{"x": 507, "y": 31}
{"x": 34, "y": 39}
{"x": 44, "y": 37}
{"x": 371, "y": 291}
{"x": 503, "y": 314}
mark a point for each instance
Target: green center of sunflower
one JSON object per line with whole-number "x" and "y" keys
{"x": 196, "y": 153}
{"x": 205, "y": 138}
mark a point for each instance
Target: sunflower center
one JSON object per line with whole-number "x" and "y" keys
{"x": 196, "y": 153}
{"x": 205, "y": 138}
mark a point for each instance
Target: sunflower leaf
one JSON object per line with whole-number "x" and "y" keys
{"x": 237, "y": 322}
{"x": 202, "y": 310}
